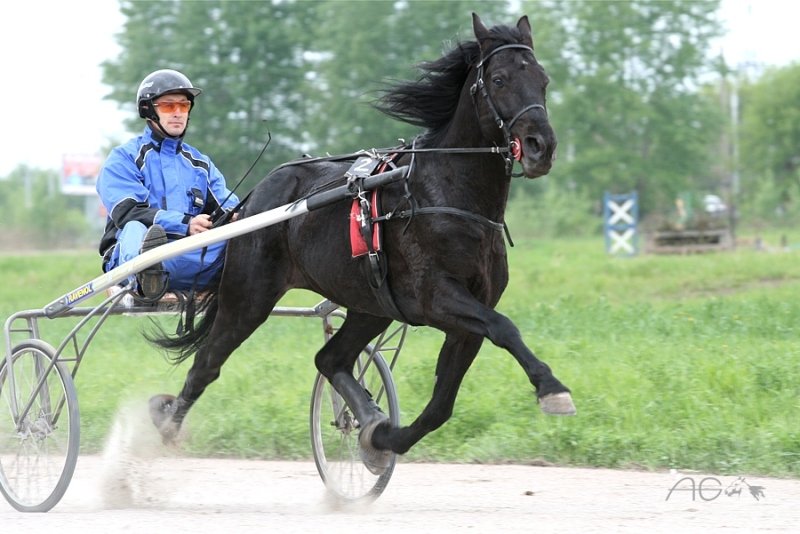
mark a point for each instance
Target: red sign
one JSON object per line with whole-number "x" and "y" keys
{"x": 79, "y": 174}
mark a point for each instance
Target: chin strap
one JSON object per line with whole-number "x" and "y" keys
{"x": 157, "y": 124}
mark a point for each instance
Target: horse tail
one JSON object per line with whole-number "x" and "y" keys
{"x": 190, "y": 336}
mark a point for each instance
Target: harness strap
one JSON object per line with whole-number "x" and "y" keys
{"x": 380, "y": 287}
{"x": 405, "y": 214}
{"x": 377, "y": 268}
{"x": 408, "y": 214}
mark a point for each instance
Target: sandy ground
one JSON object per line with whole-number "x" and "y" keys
{"x": 179, "y": 495}
{"x": 136, "y": 486}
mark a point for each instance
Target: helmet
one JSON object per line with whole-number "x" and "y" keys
{"x": 160, "y": 83}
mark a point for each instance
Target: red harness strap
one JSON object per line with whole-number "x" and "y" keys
{"x": 358, "y": 244}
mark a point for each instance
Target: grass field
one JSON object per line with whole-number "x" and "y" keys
{"x": 687, "y": 362}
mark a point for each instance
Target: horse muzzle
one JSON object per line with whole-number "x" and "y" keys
{"x": 536, "y": 152}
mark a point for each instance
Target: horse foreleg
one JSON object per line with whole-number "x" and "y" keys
{"x": 462, "y": 311}
{"x": 554, "y": 397}
{"x": 336, "y": 361}
{"x": 455, "y": 358}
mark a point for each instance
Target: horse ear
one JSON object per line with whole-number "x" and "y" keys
{"x": 524, "y": 27}
{"x": 481, "y": 32}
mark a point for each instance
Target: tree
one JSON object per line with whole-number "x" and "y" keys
{"x": 624, "y": 96}
{"x": 247, "y": 56}
{"x": 770, "y": 137}
{"x": 366, "y": 45}
{"x": 38, "y": 215}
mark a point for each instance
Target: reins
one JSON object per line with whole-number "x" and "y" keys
{"x": 509, "y": 151}
{"x": 476, "y": 150}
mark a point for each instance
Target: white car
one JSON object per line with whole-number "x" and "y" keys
{"x": 713, "y": 204}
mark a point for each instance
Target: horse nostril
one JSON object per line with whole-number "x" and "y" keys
{"x": 535, "y": 146}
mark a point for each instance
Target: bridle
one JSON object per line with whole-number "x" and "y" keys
{"x": 513, "y": 153}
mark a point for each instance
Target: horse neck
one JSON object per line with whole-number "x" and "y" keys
{"x": 477, "y": 182}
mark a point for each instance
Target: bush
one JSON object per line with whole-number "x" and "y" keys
{"x": 39, "y": 216}
{"x": 545, "y": 210}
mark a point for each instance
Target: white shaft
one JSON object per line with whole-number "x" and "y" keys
{"x": 176, "y": 248}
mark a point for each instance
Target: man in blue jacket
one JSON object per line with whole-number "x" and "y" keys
{"x": 157, "y": 188}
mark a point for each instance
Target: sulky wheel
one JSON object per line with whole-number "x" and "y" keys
{"x": 39, "y": 427}
{"x": 334, "y": 431}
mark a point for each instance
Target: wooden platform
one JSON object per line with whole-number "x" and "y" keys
{"x": 688, "y": 241}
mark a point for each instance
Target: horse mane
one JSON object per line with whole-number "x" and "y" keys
{"x": 430, "y": 102}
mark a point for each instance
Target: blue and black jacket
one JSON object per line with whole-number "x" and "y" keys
{"x": 158, "y": 180}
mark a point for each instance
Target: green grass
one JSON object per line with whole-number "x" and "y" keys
{"x": 688, "y": 362}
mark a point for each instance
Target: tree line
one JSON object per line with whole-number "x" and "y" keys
{"x": 636, "y": 99}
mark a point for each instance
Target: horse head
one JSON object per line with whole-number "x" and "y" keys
{"x": 513, "y": 88}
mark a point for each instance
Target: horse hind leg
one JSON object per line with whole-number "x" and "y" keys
{"x": 162, "y": 407}
{"x": 236, "y": 319}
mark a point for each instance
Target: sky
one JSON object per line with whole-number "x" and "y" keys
{"x": 52, "y": 93}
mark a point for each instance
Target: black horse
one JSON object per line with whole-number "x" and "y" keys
{"x": 482, "y": 106}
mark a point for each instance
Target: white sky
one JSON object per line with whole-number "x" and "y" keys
{"x": 50, "y": 89}
{"x": 52, "y": 94}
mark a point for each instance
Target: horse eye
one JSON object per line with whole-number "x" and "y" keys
{"x": 498, "y": 82}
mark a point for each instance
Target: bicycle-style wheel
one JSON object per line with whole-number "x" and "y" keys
{"x": 334, "y": 431}
{"x": 39, "y": 427}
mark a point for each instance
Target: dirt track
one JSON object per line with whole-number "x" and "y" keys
{"x": 233, "y": 496}
{"x": 139, "y": 486}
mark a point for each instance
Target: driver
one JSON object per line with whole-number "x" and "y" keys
{"x": 156, "y": 188}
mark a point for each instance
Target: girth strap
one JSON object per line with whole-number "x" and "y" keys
{"x": 380, "y": 286}
{"x": 429, "y": 210}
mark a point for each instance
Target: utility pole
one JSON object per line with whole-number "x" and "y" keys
{"x": 734, "y": 185}
{"x": 26, "y": 176}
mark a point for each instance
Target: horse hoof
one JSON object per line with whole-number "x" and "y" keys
{"x": 377, "y": 461}
{"x": 161, "y": 409}
{"x": 557, "y": 404}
